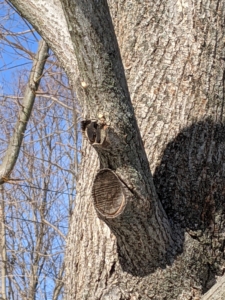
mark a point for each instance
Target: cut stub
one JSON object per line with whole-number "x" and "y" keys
{"x": 108, "y": 194}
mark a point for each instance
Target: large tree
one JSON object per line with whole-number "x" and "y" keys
{"x": 149, "y": 217}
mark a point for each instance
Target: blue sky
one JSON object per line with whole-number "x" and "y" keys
{"x": 11, "y": 59}
{"x": 42, "y": 131}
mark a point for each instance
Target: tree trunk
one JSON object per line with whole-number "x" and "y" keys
{"x": 3, "y": 245}
{"x": 173, "y": 56}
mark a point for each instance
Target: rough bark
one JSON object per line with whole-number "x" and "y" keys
{"x": 217, "y": 292}
{"x": 116, "y": 138}
{"x": 173, "y": 55}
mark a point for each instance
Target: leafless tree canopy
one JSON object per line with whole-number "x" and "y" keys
{"x": 37, "y": 197}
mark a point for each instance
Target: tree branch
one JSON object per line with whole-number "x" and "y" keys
{"x": 57, "y": 36}
{"x": 13, "y": 149}
{"x": 111, "y": 128}
{"x": 55, "y": 228}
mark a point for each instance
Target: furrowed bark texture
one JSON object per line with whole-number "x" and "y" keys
{"x": 119, "y": 147}
{"x": 173, "y": 55}
{"x": 217, "y": 292}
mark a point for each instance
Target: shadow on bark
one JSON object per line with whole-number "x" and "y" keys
{"x": 190, "y": 183}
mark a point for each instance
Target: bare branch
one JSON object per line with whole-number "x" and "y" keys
{"x": 13, "y": 149}
{"x": 42, "y": 94}
{"x": 55, "y": 228}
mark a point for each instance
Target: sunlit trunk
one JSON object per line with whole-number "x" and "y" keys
{"x": 173, "y": 57}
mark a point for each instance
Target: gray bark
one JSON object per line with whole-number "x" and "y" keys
{"x": 175, "y": 82}
{"x": 116, "y": 138}
{"x": 217, "y": 292}
{"x": 173, "y": 56}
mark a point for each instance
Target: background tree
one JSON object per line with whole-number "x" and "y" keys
{"x": 160, "y": 236}
{"x": 36, "y": 209}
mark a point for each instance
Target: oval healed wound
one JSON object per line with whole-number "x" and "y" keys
{"x": 108, "y": 193}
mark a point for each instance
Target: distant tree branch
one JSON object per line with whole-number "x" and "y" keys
{"x": 55, "y": 228}
{"x": 13, "y": 149}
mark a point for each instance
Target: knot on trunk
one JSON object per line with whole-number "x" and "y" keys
{"x": 108, "y": 194}
{"x": 109, "y": 146}
{"x": 96, "y": 132}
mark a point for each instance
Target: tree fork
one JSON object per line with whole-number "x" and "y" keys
{"x": 173, "y": 55}
{"x": 139, "y": 223}
{"x": 112, "y": 130}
